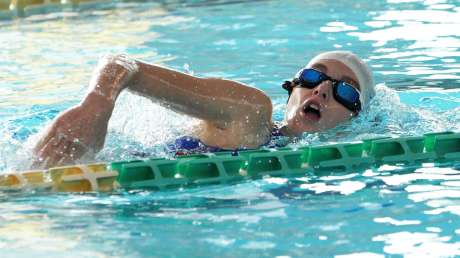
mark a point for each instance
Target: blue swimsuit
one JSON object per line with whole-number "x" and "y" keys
{"x": 189, "y": 145}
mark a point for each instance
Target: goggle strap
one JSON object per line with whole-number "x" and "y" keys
{"x": 287, "y": 85}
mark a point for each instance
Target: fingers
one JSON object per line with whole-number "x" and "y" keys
{"x": 59, "y": 144}
{"x": 56, "y": 154}
{"x": 46, "y": 153}
{"x": 52, "y": 151}
{"x": 72, "y": 153}
{"x": 49, "y": 145}
{"x": 47, "y": 136}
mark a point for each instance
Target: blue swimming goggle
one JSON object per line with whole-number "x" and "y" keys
{"x": 343, "y": 92}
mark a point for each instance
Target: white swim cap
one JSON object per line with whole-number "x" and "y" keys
{"x": 358, "y": 66}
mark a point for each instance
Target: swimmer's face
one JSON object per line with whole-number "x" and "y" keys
{"x": 299, "y": 114}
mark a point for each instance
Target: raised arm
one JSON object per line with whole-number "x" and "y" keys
{"x": 211, "y": 99}
{"x": 229, "y": 108}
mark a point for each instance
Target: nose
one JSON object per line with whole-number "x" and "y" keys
{"x": 323, "y": 90}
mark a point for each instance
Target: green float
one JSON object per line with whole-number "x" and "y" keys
{"x": 224, "y": 167}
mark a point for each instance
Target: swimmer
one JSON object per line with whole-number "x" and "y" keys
{"x": 332, "y": 88}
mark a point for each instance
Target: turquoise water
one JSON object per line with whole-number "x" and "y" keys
{"x": 412, "y": 46}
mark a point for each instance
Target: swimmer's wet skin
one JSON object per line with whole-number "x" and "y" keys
{"x": 233, "y": 115}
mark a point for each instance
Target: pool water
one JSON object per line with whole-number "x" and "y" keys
{"x": 412, "y": 46}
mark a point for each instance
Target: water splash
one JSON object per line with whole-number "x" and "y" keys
{"x": 188, "y": 70}
{"x": 139, "y": 127}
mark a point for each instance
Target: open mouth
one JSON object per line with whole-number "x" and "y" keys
{"x": 312, "y": 111}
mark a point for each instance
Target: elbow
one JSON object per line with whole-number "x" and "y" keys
{"x": 262, "y": 103}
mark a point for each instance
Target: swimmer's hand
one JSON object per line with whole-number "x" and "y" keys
{"x": 81, "y": 130}
{"x": 76, "y": 132}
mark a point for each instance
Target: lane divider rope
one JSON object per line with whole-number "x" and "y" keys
{"x": 224, "y": 167}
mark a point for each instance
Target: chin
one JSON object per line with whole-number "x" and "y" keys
{"x": 299, "y": 130}
{"x": 311, "y": 130}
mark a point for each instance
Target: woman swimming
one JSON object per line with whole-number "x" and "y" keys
{"x": 333, "y": 87}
